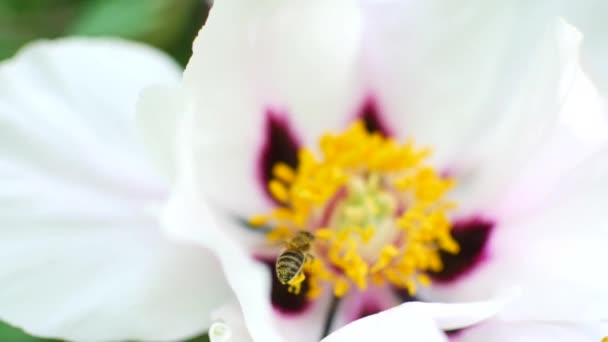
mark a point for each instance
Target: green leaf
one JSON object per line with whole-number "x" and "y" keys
{"x": 9, "y": 333}
{"x": 202, "y": 338}
{"x": 12, "y": 334}
{"x": 165, "y": 24}
{"x": 25, "y": 20}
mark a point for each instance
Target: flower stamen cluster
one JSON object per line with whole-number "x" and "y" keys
{"x": 378, "y": 212}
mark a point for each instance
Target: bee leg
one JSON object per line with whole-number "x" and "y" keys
{"x": 295, "y": 284}
{"x": 309, "y": 258}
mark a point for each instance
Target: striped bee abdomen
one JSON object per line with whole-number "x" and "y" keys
{"x": 288, "y": 265}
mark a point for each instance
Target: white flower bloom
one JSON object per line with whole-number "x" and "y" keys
{"x": 86, "y": 258}
{"x": 82, "y": 253}
{"x": 256, "y": 139}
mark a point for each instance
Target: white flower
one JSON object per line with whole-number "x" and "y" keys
{"x": 487, "y": 104}
{"x": 85, "y": 257}
{"x": 82, "y": 253}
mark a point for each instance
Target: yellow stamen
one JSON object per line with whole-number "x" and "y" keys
{"x": 383, "y": 212}
{"x": 278, "y": 190}
{"x": 283, "y": 172}
{"x": 340, "y": 287}
{"x": 279, "y": 233}
{"x": 258, "y": 220}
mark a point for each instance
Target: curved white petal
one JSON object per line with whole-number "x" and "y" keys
{"x": 294, "y": 59}
{"x": 499, "y": 331}
{"x": 417, "y": 321}
{"x": 407, "y": 326}
{"x": 159, "y": 108}
{"x": 187, "y": 219}
{"x": 582, "y": 131}
{"x": 479, "y": 82}
{"x": 82, "y": 255}
{"x": 589, "y": 17}
{"x": 556, "y": 253}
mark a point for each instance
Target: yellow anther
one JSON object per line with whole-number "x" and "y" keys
{"x": 278, "y": 190}
{"x": 283, "y": 172}
{"x": 378, "y": 279}
{"x": 279, "y": 234}
{"x": 424, "y": 280}
{"x": 314, "y": 289}
{"x": 386, "y": 255}
{"x": 324, "y": 234}
{"x": 281, "y": 213}
{"x": 367, "y": 233}
{"x": 449, "y": 245}
{"x": 411, "y": 287}
{"x": 258, "y": 220}
{"x": 340, "y": 287}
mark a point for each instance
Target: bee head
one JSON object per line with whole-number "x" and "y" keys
{"x": 305, "y": 234}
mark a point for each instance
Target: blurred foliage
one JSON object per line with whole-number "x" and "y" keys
{"x": 8, "y": 333}
{"x": 170, "y": 25}
{"x": 12, "y": 334}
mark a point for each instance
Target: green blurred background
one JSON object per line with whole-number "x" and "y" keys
{"x": 170, "y": 25}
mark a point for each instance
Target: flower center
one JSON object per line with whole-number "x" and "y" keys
{"x": 377, "y": 212}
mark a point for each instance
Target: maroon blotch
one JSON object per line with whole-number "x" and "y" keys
{"x": 280, "y": 145}
{"x": 371, "y": 117}
{"x": 282, "y": 300}
{"x": 404, "y": 295}
{"x": 368, "y": 309}
{"x": 472, "y": 235}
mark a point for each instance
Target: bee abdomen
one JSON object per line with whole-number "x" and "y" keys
{"x": 288, "y": 265}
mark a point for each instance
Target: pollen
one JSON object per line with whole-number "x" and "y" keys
{"x": 377, "y": 210}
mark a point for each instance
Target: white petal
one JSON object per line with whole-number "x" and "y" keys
{"x": 406, "y": 326}
{"x": 82, "y": 255}
{"x": 588, "y": 16}
{"x": 190, "y": 219}
{"x": 556, "y": 254}
{"x": 583, "y": 131}
{"x": 294, "y": 58}
{"x": 479, "y": 82}
{"x": 417, "y": 321}
{"x": 498, "y": 331}
{"x": 158, "y": 110}
{"x": 249, "y": 279}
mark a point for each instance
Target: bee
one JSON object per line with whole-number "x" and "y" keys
{"x": 291, "y": 262}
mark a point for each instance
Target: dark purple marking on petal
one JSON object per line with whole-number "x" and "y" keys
{"x": 371, "y": 117}
{"x": 453, "y": 334}
{"x": 369, "y": 309}
{"x": 404, "y": 295}
{"x": 280, "y": 145}
{"x": 282, "y": 301}
{"x": 472, "y": 235}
